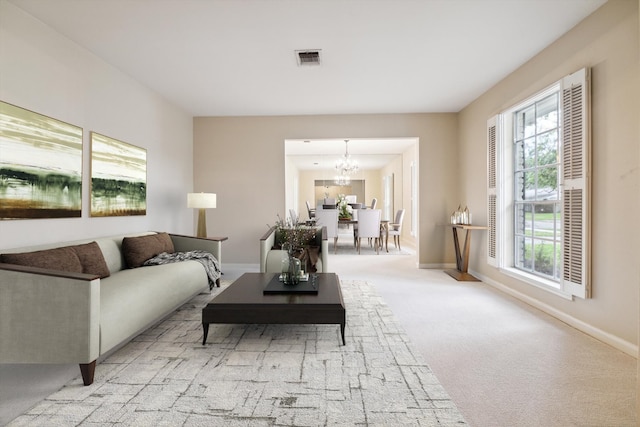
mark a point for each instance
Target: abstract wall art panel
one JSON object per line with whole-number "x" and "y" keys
{"x": 118, "y": 178}
{"x": 40, "y": 166}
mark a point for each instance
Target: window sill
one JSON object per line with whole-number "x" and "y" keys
{"x": 538, "y": 282}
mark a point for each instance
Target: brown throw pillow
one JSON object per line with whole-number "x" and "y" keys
{"x": 61, "y": 259}
{"x": 92, "y": 259}
{"x": 137, "y": 250}
{"x": 313, "y": 253}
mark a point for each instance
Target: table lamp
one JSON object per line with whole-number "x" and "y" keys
{"x": 201, "y": 201}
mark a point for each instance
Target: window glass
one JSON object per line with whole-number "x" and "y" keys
{"x": 547, "y": 113}
{"x": 525, "y": 122}
{"x": 547, "y": 148}
{"x": 543, "y": 260}
{"x": 537, "y": 208}
{"x": 529, "y": 160}
{"x": 523, "y": 255}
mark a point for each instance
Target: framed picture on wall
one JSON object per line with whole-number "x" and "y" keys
{"x": 118, "y": 177}
{"x": 40, "y": 166}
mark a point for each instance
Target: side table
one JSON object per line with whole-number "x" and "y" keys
{"x": 462, "y": 256}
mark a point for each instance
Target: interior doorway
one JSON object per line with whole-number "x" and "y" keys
{"x": 310, "y": 173}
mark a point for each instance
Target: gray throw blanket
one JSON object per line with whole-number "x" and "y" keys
{"x": 208, "y": 261}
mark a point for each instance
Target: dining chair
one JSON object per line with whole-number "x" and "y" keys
{"x": 310, "y": 211}
{"x": 354, "y": 217}
{"x": 351, "y": 198}
{"x": 395, "y": 228}
{"x": 294, "y": 216}
{"x": 354, "y": 212}
{"x": 374, "y": 202}
{"x": 329, "y": 201}
{"x": 355, "y": 208}
{"x": 329, "y": 218}
{"x": 369, "y": 227}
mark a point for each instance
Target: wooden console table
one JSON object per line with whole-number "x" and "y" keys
{"x": 462, "y": 257}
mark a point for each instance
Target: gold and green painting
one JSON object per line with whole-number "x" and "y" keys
{"x": 118, "y": 177}
{"x": 40, "y": 166}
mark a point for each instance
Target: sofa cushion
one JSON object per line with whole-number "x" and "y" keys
{"x": 137, "y": 250}
{"x": 92, "y": 259}
{"x": 86, "y": 258}
{"x": 61, "y": 259}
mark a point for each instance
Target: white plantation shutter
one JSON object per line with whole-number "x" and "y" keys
{"x": 492, "y": 196}
{"x": 576, "y": 185}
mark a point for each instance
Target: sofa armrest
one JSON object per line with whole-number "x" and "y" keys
{"x": 48, "y": 316}
{"x": 212, "y": 245}
{"x": 324, "y": 251}
{"x": 266, "y": 243}
{"x": 268, "y": 240}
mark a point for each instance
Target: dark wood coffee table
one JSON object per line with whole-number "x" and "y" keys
{"x": 244, "y": 302}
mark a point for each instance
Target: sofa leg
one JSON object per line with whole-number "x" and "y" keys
{"x": 87, "y": 370}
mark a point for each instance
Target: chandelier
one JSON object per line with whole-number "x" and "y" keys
{"x": 346, "y": 165}
{"x": 342, "y": 180}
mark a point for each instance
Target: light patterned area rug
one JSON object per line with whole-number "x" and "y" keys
{"x": 260, "y": 375}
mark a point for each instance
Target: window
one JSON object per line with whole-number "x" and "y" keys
{"x": 538, "y": 188}
{"x": 537, "y": 224}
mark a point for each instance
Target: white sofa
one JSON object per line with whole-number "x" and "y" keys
{"x": 51, "y": 316}
{"x": 271, "y": 259}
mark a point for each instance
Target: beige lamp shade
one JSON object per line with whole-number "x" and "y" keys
{"x": 201, "y": 201}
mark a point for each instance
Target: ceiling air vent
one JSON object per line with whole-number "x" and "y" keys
{"x": 308, "y": 57}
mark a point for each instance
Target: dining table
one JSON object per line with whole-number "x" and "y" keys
{"x": 384, "y": 228}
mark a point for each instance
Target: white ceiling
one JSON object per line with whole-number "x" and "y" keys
{"x": 323, "y": 154}
{"x": 236, "y": 58}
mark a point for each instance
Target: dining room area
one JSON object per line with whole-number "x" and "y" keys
{"x": 365, "y": 192}
{"x": 354, "y": 227}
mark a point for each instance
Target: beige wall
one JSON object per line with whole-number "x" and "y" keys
{"x": 43, "y": 71}
{"x": 607, "y": 41}
{"x": 409, "y": 156}
{"x": 242, "y": 160}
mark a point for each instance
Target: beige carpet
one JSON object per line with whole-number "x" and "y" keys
{"x": 502, "y": 362}
{"x": 260, "y": 375}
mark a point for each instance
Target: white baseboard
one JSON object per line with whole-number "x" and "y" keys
{"x": 610, "y": 339}
{"x": 240, "y": 266}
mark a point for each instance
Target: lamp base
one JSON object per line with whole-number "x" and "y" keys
{"x": 202, "y": 223}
